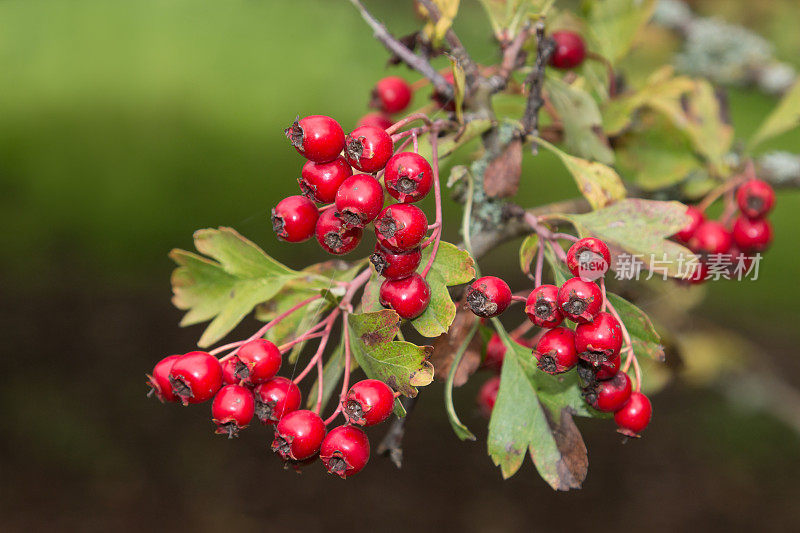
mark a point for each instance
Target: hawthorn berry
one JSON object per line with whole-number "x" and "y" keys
{"x": 755, "y": 198}
{"x": 487, "y": 395}
{"x": 608, "y": 368}
{"x": 610, "y": 395}
{"x": 542, "y": 306}
{"x": 395, "y": 265}
{"x": 368, "y": 402}
{"x": 579, "y": 300}
{"x": 316, "y": 137}
{"x": 320, "y": 181}
{"x": 158, "y": 381}
{"x": 332, "y": 234}
{"x": 232, "y": 410}
{"x": 275, "y": 398}
{"x": 195, "y": 377}
{"x": 257, "y": 361}
{"x": 634, "y": 416}
{"x": 488, "y": 296}
{"x": 409, "y": 297}
{"x": 696, "y": 217}
{"x": 298, "y": 435}
{"x": 555, "y": 351}
{"x": 229, "y": 371}
{"x": 391, "y": 94}
{"x": 368, "y": 148}
{"x": 401, "y": 227}
{"x": 376, "y": 120}
{"x": 294, "y": 219}
{"x": 599, "y": 339}
{"x": 570, "y": 50}
{"x": 588, "y": 258}
{"x": 345, "y": 451}
{"x": 408, "y": 177}
{"x": 711, "y": 237}
{"x": 359, "y": 200}
{"x": 752, "y": 234}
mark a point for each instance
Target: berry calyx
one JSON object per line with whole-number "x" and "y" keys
{"x": 710, "y": 238}
{"x": 755, "y": 198}
{"x": 376, "y": 120}
{"x": 608, "y": 368}
{"x": 696, "y": 217}
{"x": 257, "y": 361}
{"x": 298, "y": 435}
{"x": 232, "y": 410}
{"x": 158, "y": 381}
{"x": 195, "y": 377}
{"x": 359, "y": 200}
{"x": 634, "y": 416}
{"x": 368, "y": 148}
{"x": 368, "y": 402}
{"x": 316, "y": 137}
{"x": 401, "y": 227}
{"x": 333, "y": 235}
{"x": 570, "y": 50}
{"x": 345, "y": 451}
{"x": 395, "y": 265}
{"x": 600, "y": 339}
{"x": 542, "y": 306}
{"x": 488, "y": 296}
{"x": 276, "y": 398}
{"x": 409, "y": 297}
{"x": 294, "y": 219}
{"x": 555, "y": 351}
{"x": 752, "y": 235}
{"x": 391, "y": 94}
{"x": 487, "y": 395}
{"x": 579, "y": 300}
{"x": 320, "y": 181}
{"x": 408, "y": 177}
{"x": 610, "y": 395}
{"x": 588, "y": 258}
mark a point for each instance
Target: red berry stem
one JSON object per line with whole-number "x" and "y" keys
{"x": 631, "y": 357}
{"x": 346, "y": 377}
{"x": 518, "y": 298}
{"x": 328, "y": 322}
{"x": 408, "y": 120}
{"x": 416, "y": 142}
{"x": 605, "y": 300}
{"x": 283, "y": 348}
{"x": 537, "y": 276}
{"x": 748, "y": 173}
{"x": 437, "y": 195}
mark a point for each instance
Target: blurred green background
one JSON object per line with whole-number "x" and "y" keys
{"x": 125, "y": 126}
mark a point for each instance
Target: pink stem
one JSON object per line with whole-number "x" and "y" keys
{"x": 306, "y": 336}
{"x": 603, "y": 291}
{"x": 416, "y": 142}
{"x": 346, "y": 378}
{"x": 318, "y": 355}
{"x": 516, "y": 298}
{"x": 407, "y": 120}
{"x": 631, "y": 358}
{"x": 437, "y": 194}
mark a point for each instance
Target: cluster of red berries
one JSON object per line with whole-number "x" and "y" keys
{"x": 390, "y": 95}
{"x": 593, "y": 346}
{"x": 750, "y": 232}
{"x": 246, "y": 385}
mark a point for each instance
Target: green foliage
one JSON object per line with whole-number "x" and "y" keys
{"x": 527, "y": 251}
{"x": 615, "y": 24}
{"x": 785, "y": 117}
{"x": 645, "y": 338}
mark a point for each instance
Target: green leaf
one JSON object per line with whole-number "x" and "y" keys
{"x": 461, "y": 431}
{"x": 645, "y": 338}
{"x": 455, "y": 265}
{"x": 331, "y": 375}
{"x": 560, "y": 272}
{"x": 459, "y": 87}
{"x": 583, "y": 132}
{"x": 598, "y": 183}
{"x": 507, "y": 15}
{"x": 711, "y": 135}
{"x": 401, "y": 365}
{"x": 614, "y": 24}
{"x": 227, "y": 289}
{"x": 784, "y": 117}
{"x": 527, "y": 251}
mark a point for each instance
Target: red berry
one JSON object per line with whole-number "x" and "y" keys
{"x": 408, "y": 177}
{"x": 345, "y": 451}
{"x": 755, "y": 198}
{"x": 609, "y": 368}
{"x": 195, "y": 377}
{"x": 232, "y": 409}
{"x": 333, "y": 236}
{"x": 752, "y": 235}
{"x": 634, "y": 415}
{"x": 158, "y": 381}
{"x": 588, "y": 258}
{"x": 409, "y": 297}
{"x": 555, "y": 351}
{"x": 294, "y": 219}
{"x": 368, "y": 148}
{"x": 487, "y": 395}
{"x": 276, "y": 398}
{"x": 711, "y": 237}
{"x": 570, "y": 50}
{"x": 316, "y": 137}
{"x": 320, "y": 181}
{"x": 599, "y": 339}
{"x": 542, "y": 306}
{"x": 696, "y": 217}
{"x": 376, "y": 120}
{"x": 368, "y": 402}
{"x": 257, "y": 361}
{"x": 395, "y": 265}
{"x": 359, "y": 200}
{"x": 579, "y": 300}
{"x": 612, "y": 394}
{"x": 401, "y": 227}
{"x": 229, "y": 371}
{"x": 488, "y": 296}
{"x": 298, "y": 435}
{"x": 391, "y": 94}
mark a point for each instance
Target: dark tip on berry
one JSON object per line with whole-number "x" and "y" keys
{"x": 589, "y": 393}
{"x": 282, "y": 447}
{"x": 587, "y": 373}
{"x": 295, "y": 133}
{"x": 354, "y": 411}
{"x": 307, "y": 190}
{"x": 407, "y": 185}
{"x": 278, "y": 224}
{"x": 387, "y": 226}
{"x": 180, "y": 389}
{"x": 479, "y": 304}
{"x": 265, "y": 411}
{"x": 230, "y": 429}
{"x": 543, "y": 309}
{"x": 350, "y": 220}
{"x": 355, "y": 148}
{"x": 333, "y": 241}
{"x": 547, "y": 364}
{"x": 576, "y": 305}
{"x": 756, "y": 203}
{"x": 241, "y": 371}
{"x": 595, "y": 359}
{"x": 337, "y": 465}
{"x": 379, "y": 262}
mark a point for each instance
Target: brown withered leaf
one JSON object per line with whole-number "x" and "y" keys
{"x": 573, "y": 464}
{"x": 445, "y": 347}
{"x": 501, "y": 178}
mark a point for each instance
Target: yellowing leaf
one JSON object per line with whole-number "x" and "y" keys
{"x": 448, "y": 9}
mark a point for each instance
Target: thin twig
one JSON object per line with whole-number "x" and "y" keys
{"x": 511, "y": 59}
{"x": 535, "y": 80}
